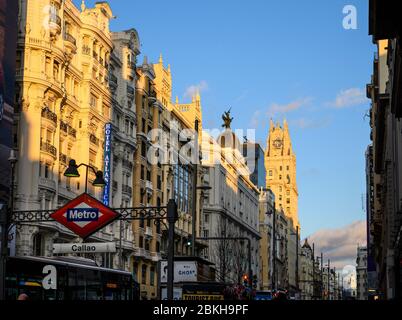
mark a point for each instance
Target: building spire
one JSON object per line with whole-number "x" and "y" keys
{"x": 83, "y": 7}
{"x": 160, "y": 59}
{"x": 177, "y": 100}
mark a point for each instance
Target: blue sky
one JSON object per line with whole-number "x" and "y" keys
{"x": 274, "y": 58}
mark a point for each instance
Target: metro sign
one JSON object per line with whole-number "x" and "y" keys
{"x": 84, "y": 215}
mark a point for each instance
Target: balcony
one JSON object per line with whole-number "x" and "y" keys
{"x": 72, "y": 132}
{"x": 94, "y": 140}
{"x": 54, "y": 24}
{"x": 47, "y": 183}
{"x": 63, "y": 127}
{"x": 130, "y": 91}
{"x": 148, "y": 232}
{"x": 141, "y": 252}
{"x": 149, "y": 187}
{"x": 128, "y": 164}
{"x": 112, "y": 81}
{"x": 126, "y": 189}
{"x": 47, "y": 114}
{"x": 63, "y": 158}
{"x": 48, "y": 148}
{"x": 70, "y": 39}
{"x": 156, "y": 256}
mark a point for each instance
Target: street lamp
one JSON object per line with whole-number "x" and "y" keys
{"x": 72, "y": 172}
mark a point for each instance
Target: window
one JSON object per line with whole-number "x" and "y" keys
{"x": 287, "y": 168}
{"x": 206, "y": 218}
{"x": 93, "y": 102}
{"x": 141, "y": 242}
{"x": 280, "y": 168}
{"x": 157, "y": 246}
{"x": 270, "y": 173}
{"x": 143, "y": 149}
{"x": 280, "y": 177}
{"x": 142, "y": 172}
{"x": 152, "y": 276}
{"x": 288, "y": 201}
{"x": 147, "y": 244}
{"x": 37, "y": 245}
{"x": 144, "y": 274}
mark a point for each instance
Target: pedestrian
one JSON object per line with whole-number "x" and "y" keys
{"x": 23, "y": 296}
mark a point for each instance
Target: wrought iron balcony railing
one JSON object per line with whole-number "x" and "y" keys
{"x": 49, "y": 148}
{"x": 68, "y": 37}
{"x": 46, "y": 113}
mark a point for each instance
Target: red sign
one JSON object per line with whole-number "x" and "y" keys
{"x": 84, "y": 215}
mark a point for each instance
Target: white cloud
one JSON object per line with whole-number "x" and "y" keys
{"x": 349, "y": 98}
{"x": 286, "y": 108}
{"x": 340, "y": 245}
{"x": 193, "y": 89}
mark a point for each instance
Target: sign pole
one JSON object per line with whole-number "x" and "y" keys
{"x": 171, "y": 217}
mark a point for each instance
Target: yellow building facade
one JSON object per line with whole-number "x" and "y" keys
{"x": 280, "y": 165}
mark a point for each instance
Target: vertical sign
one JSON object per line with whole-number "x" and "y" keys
{"x": 106, "y": 164}
{"x": 8, "y": 44}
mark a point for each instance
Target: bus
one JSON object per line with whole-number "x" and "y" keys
{"x": 263, "y": 295}
{"x": 74, "y": 278}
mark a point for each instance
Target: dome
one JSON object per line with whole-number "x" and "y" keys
{"x": 228, "y": 139}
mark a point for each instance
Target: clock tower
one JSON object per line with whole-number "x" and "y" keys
{"x": 280, "y": 166}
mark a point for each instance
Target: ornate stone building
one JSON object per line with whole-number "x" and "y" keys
{"x": 280, "y": 165}
{"x": 231, "y": 210}
{"x": 73, "y": 77}
{"x": 307, "y": 272}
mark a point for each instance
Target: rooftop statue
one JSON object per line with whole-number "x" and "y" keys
{"x": 227, "y": 120}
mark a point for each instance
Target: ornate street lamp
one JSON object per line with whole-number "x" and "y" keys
{"x": 72, "y": 172}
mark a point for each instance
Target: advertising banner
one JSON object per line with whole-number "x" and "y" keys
{"x": 8, "y": 44}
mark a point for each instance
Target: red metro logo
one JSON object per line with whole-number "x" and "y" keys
{"x": 84, "y": 215}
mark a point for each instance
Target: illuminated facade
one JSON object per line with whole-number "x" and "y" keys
{"x": 66, "y": 96}
{"x": 280, "y": 165}
{"x": 231, "y": 209}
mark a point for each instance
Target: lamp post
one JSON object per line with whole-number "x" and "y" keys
{"x": 72, "y": 172}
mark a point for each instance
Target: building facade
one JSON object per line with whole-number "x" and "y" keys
{"x": 231, "y": 210}
{"x": 65, "y": 102}
{"x": 384, "y": 90}
{"x": 180, "y": 150}
{"x": 307, "y": 272}
{"x": 266, "y": 211}
{"x": 361, "y": 273}
{"x": 255, "y": 160}
{"x": 280, "y": 165}
{"x": 147, "y": 183}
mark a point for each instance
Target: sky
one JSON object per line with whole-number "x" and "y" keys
{"x": 280, "y": 59}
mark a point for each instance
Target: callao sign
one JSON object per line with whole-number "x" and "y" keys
{"x": 84, "y": 215}
{"x": 84, "y": 247}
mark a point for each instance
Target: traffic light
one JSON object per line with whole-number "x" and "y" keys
{"x": 255, "y": 281}
{"x": 245, "y": 279}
